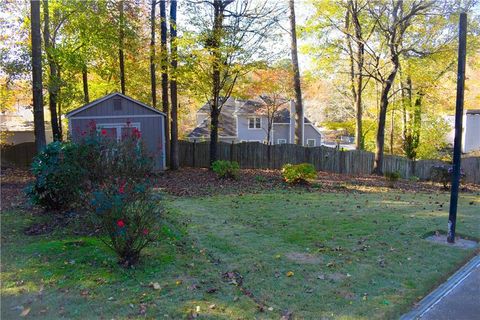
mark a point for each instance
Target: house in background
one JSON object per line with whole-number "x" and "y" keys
{"x": 17, "y": 126}
{"x": 119, "y": 114}
{"x": 470, "y": 132}
{"x": 244, "y": 121}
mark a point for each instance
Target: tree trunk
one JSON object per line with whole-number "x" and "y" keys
{"x": 59, "y": 103}
{"x": 121, "y": 38}
{"x": 173, "y": 85}
{"x": 359, "y": 143}
{"x": 215, "y": 108}
{"x": 52, "y": 77}
{"x": 39, "y": 125}
{"x": 86, "y": 96}
{"x": 380, "y": 139}
{"x": 296, "y": 78}
{"x": 164, "y": 62}
{"x": 153, "y": 80}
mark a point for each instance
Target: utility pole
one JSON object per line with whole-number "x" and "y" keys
{"x": 457, "y": 145}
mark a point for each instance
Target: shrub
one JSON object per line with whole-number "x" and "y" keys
{"x": 414, "y": 179}
{"x": 226, "y": 169}
{"x": 127, "y": 217}
{"x": 392, "y": 177}
{"x": 443, "y": 175}
{"x": 59, "y": 176}
{"x": 298, "y": 173}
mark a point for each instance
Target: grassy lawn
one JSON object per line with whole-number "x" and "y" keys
{"x": 304, "y": 254}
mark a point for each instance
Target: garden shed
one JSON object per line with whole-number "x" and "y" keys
{"x": 117, "y": 114}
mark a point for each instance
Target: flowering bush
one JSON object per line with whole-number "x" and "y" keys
{"x": 59, "y": 176}
{"x": 298, "y": 173}
{"x": 127, "y": 217}
{"x": 119, "y": 183}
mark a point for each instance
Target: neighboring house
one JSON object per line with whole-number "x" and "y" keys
{"x": 118, "y": 114}
{"x": 17, "y": 127}
{"x": 243, "y": 121}
{"x": 470, "y": 132}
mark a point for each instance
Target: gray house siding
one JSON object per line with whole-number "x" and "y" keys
{"x": 247, "y": 134}
{"x": 281, "y": 131}
{"x": 149, "y": 122}
{"x": 310, "y": 133}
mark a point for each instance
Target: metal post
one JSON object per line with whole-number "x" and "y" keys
{"x": 457, "y": 146}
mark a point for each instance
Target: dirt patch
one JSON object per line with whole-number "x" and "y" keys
{"x": 459, "y": 242}
{"x": 337, "y": 276}
{"x": 303, "y": 258}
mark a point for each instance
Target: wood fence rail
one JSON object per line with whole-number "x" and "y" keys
{"x": 256, "y": 155}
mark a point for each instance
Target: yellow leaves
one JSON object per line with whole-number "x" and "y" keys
{"x": 290, "y": 274}
{"x": 178, "y": 282}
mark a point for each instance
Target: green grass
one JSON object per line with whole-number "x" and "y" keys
{"x": 354, "y": 256}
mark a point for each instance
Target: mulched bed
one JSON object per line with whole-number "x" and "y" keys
{"x": 201, "y": 182}
{"x": 13, "y": 181}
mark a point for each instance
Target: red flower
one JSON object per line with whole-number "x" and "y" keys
{"x": 122, "y": 188}
{"x": 120, "y": 223}
{"x": 104, "y": 132}
{"x": 145, "y": 231}
{"x": 136, "y": 133}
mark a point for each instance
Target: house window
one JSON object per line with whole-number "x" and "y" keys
{"x": 254, "y": 123}
{"x": 310, "y": 142}
{"x": 281, "y": 141}
{"x": 117, "y": 130}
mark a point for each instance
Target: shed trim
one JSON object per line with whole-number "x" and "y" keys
{"x": 119, "y": 117}
{"x": 95, "y": 102}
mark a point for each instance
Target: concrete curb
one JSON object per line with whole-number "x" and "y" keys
{"x": 437, "y": 295}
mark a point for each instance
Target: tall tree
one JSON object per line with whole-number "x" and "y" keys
{"x": 153, "y": 80}
{"x": 299, "y": 118}
{"x": 164, "y": 69}
{"x": 393, "y": 21}
{"x": 38, "y": 119}
{"x": 231, "y": 39}
{"x": 121, "y": 43}
{"x": 174, "y": 161}
{"x": 357, "y": 59}
{"x": 53, "y": 81}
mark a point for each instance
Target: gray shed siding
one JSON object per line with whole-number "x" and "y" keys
{"x": 151, "y": 124}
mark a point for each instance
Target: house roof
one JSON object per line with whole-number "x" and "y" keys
{"x": 473, "y": 111}
{"x": 227, "y": 126}
{"x": 99, "y": 100}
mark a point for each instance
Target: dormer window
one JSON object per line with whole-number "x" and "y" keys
{"x": 254, "y": 123}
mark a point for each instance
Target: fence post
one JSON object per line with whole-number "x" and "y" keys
{"x": 231, "y": 152}
{"x": 193, "y": 153}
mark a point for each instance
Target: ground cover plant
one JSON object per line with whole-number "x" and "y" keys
{"x": 351, "y": 253}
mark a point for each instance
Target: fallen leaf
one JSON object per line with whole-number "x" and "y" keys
{"x": 155, "y": 285}
{"x": 25, "y": 312}
{"x": 290, "y": 273}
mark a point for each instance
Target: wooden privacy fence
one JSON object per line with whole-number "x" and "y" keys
{"x": 261, "y": 156}
{"x": 18, "y": 155}
{"x": 256, "y": 155}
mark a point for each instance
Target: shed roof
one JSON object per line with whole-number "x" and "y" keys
{"x": 99, "y": 100}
